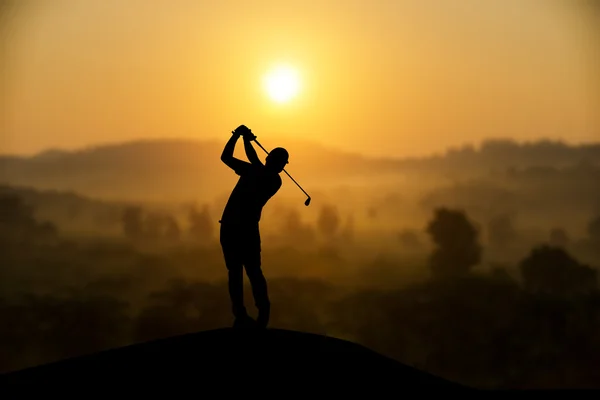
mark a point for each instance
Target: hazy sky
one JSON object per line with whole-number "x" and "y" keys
{"x": 382, "y": 77}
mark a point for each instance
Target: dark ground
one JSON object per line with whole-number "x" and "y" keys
{"x": 216, "y": 358}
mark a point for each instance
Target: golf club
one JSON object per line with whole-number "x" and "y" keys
{"x": 307, "y": 202}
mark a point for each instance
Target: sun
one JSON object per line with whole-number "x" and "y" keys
{"x": 282, "y": 84}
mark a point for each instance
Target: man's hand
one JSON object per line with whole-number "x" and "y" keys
{"x": 245, "y": 132}
{"x": 241, "y": 130}
{"x": 249, "y": 136}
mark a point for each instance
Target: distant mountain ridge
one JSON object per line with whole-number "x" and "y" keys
{"x": 182, "y": 168}
{"x": 185, "y": 168}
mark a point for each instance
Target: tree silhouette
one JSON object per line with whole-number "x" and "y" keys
{"x": 457, "y": 246}
{"x": 347, "y": 231}
{"x": 18, "y": 224}
{"x": 296, "y": 231}
{"x": 329, "y": 221}
{"x": 16, "y": 217}
{"x": 132, "y": 221}
{"x": 153, "y": 225}
{"x": 46, "y": 231}
{"x": 293, "y": 221}
{"x": 593, "y": 229}
{"x": 201, "y": 227}
{"x": 551, "y": 270}
{"x": 172, "y": 230}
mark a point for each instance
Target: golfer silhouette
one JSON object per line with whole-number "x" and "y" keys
{"x": 240, "y": 233}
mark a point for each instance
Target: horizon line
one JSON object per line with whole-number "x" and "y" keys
{"x": 476, "y": 145}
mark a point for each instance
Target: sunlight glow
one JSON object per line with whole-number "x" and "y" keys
{"x": 282, "y": 84}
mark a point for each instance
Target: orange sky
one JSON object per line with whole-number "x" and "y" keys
{"x": 381, "y": 77}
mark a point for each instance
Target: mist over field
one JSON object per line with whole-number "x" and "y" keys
{"x": 478, "y": 264}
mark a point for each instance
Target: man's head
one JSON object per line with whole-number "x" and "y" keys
{"x": 277, "y": 159}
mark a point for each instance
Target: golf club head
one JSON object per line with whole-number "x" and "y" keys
{"x": 307, "y": 202}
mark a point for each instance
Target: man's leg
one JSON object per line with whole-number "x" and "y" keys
{"x": 259, "y": 289}
{"x": 235, "y": 269}
{"x": 236, "y": 285}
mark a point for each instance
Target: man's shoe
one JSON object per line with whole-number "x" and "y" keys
{"x": 263, "y": 319}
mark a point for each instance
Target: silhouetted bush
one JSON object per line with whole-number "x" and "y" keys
{"x": 456, "y": 239}
{"x": 296, "y": 232}
{"x": 551, "y": 270}
{"x": 348, "y": 230}
{"x": 480, "y": 328}
{"x": 172, "y": 230}
{"x": 18, "y": 224}
{"x": 132, "y": 220}
{"x": 593, "y": 230}
{"x": 329, "y": 221}
{"x": 152, "y": 225}
{"x": 201, "y": 225}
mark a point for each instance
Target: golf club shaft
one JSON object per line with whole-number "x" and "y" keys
{"x": 265, "y": 150}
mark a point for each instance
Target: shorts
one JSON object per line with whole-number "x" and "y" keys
{"x": 241, "y": 243}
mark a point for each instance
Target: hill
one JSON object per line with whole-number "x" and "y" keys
{"x": 277, "y": 358}
{"x": 180, "y": 170}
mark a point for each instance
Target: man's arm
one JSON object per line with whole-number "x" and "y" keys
{"x": 227, "y": 156}
{"x": 250, "y": 151}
